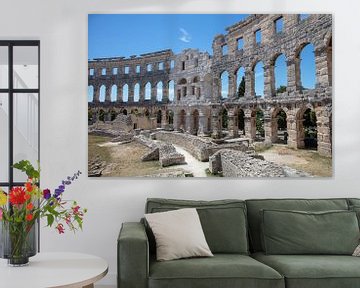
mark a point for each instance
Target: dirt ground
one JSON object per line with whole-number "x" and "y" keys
{"x": 305, "y": 160}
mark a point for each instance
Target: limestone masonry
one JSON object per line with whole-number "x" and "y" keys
{"x": 192, "y": 78}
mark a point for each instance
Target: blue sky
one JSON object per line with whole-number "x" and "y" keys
{"x": 111, "y": 35}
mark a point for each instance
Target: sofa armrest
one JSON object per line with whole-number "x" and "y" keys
{"x": 133, "y": 256}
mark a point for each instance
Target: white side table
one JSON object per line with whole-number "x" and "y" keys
{"x": 50, "y": 270}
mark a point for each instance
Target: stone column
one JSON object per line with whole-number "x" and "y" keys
{"x": 107, "y": 94}
{"x": 267, "y": 126}
{"x": 269, "y": 80}
{"x": 176, "y": 121}
{"x": 142, "y": 94}
{"x": 202, "y": 124}
{"x": 216, "y": 89}
{"x": 131, "y": 94}
{"x": 153, "y": 93}
{"x": 292, "y": 127}
{"x": 232, "y": 86}
{"x": 119, "y": 93}
{"x": 96, "y": 94}
{"x": 323, "y": 116}
{"x": 232, "y": 123}
{"x": 322, "y": 69}
{"x": 292, "y": 77}
{"x": 250, "y": 125}
{"x": 189, "y": 123}
{"x": 215, "y": 123}
{"x": 165, "y": 98}
{"x": 249, "y": 81}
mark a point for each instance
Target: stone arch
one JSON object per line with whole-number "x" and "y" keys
{"x": 170, "y": 116}
{"x": 102, "y": 93}
{"x": 171, "y": 89}
{"x": 258, "y": 79}
{"x": 257, "y": 124}
{"x": 196, "y": 79}
{"x": 182, "y": 120}
{"x": 125, "y": 93}
{"x": 148, "y": 91}
{"x": 224, "y": 119}
{"x": 279, "y": 133}
{"x": 329, "y": 60}
{"x": 195, "y": 121}
{"x": 182, "y": 81}
{"x": 240, "y": 120}
{"x": 306, "y": 128}
{"x": 124, "y": 112}
{"x": 113, "y": 95}
{"x": 158, "y": 118}
{"x": 224, "y": 84}
{"x": 91, "y": 93}
{"x": 279, "y": 73}
{"x": 240, "y": 81}
{"x": 159, "y": 91}
{"x": 136, "y": 92}
{"x": 305, "y": 77}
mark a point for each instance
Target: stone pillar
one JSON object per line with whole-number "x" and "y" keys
{"x": 142, "y": 94}
{"x": 153, "y": 93}
{"x": 202, "y": 124}
{"x": 107, "y": 94}
{"x": 291, "y": 75}
{"x": 119, "y": 94}
{"x": 232, "y": 123}
{"x": 250, "y": 125}
{"x": 274, "y": 129}
{"x": 324, "y": 137}
{"x": 232, "y": 86}
{"x": 165, "y": 98}
{"x": 249, "y": 83}
{"x": 322, "y": 69}
{"x": 176, "y": 121}
{"x": 96, "y": 94}
{"x": 189, "y": 123}
{"x": 267, "y": 126}
{"x": 131, "y": 93}
{"x": 215, "y": 123}
{"x": 216, "y": 89}
{"x": 292, "y": 128}
{"x": 164, "y": 123}
{"x": 269, "y": 80}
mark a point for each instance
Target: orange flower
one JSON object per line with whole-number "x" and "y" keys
{"x": 17, "y": 196}
{"x": 29, "y": 206}
{"x": 29, "y": 217}
{"x": 29, "y": 186}
{"x": 27, "y": 196}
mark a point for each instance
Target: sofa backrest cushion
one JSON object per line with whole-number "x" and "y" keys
{"x": 223, "y": 221}
{"x": 255, "y": 206}
{"x": 297, "y": 232}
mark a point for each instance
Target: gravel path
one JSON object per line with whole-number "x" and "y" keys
{"x": 196, "y": 167}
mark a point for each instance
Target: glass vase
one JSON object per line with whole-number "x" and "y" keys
{"x": 18, "y": 242}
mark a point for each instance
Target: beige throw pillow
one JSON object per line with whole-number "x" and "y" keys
{"x": 178, "y": 234}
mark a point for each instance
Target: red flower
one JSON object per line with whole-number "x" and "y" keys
{"x": 29, "y": 186}
{"x": 17, "y": 196}
{"x": 60, "y": 228}
{"x": 29, "y": 206}
{"x": 27, "y": 196}
{"x": 29, "y": 217}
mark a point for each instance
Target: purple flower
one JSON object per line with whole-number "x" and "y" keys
{"x": 46, "y": 194}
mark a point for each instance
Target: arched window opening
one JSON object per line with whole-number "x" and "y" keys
{"x": 224, "y": 50}
{"x": 224, "y": 119}
{"x": 115, "y": 71}
{"x": 182, "y": 121}
{"x": 281, "y": 127}
{"x": 279, "y": 25}
{"x": 103, "y": 71}
{"x": 171, "y": 89}
{"x": 259, "y": 122}
{"x": 258, "y": 37}
{"x": 102, "y": 93}
{"x": 307, "y": 68}
{"x": 113, "y": 115}
{"x": 91, "y": 93}
{"x": 310, "y": 129}
{"x": 303, "y": 16}
{"x": 137, "y": 69}
{"x": 161, "y": 66}
{"x": 158, "y": 118}
{"x": 159, "y": 91}
{"x": 259, "y": 79}
{"x": 91, "y": 71}
{"x": 137, "y": 92}
{"x": 240, "y": 43}
{"x": 172, "y": 64}
{"x": 224, "y": 85}
{"x": 329, "y": 61}
{"x": 126, "y": 69}
{"x": 125, "y": 95}
{"x": 241, "y": 121}
{"x": 195, "y": 118}
{"x": 148, "y": 91}
{"x": 124, "y": 112}
{"x": 170, "y": 117}
{"x": 148, "y": 67}
{"x": 240, "y": 82}
{"x": 113, "y": 95}
{"x": 280, "y": 73}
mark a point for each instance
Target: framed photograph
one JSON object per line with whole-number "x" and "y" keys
{"x": 210, "y": 95}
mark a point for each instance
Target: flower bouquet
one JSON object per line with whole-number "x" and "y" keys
{"x": 21, "y": 208}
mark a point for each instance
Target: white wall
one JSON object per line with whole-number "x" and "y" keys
{"x": 61, "y": 25}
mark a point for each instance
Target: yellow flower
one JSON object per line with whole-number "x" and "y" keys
{"x": 3, "y": 198}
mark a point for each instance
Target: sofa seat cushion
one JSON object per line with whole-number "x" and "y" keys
{"x": 222, "y": 270}
{"x": 313, "y": 271}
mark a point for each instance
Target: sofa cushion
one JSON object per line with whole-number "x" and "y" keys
{"x": 178, "y": 234}
{"x": 254, "y": 217}
{"x": 313, "y": 271}
{"x": 297, "y": 232}
{"x": 222, "y": 270}
{"x": 223, "y": 221}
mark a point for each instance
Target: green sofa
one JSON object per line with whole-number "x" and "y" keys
{"x": 234, "y": 232}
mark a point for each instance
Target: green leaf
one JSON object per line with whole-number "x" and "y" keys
{"x": 50, "y": 219}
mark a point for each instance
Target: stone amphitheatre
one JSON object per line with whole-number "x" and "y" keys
{"x": 166, "y": 100}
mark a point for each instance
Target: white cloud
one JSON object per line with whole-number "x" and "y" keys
{"x": 185, "y": 36}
